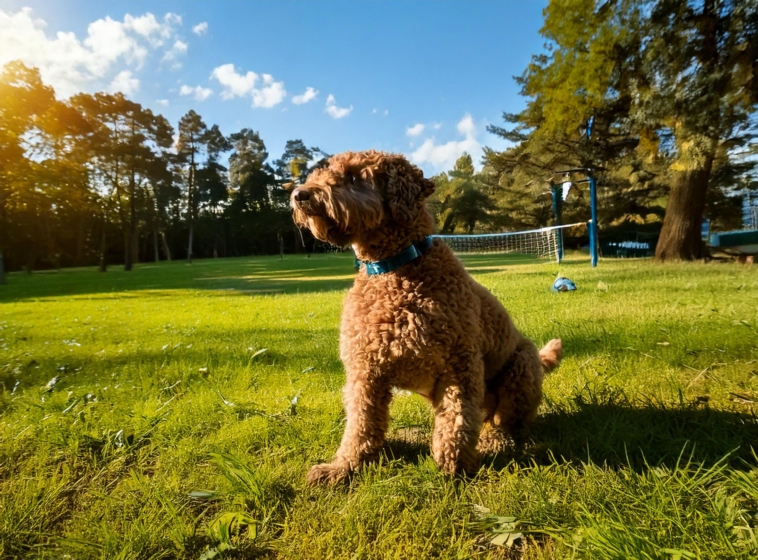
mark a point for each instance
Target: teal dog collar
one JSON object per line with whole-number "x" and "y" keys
{"x": 404, "y": 257}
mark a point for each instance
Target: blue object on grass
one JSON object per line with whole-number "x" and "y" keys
{"x": 563, "y": 284}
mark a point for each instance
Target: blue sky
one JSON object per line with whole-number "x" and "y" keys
{"x": 421, "y": 78}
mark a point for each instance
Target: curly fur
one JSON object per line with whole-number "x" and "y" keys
{"x": 427, "y": 327}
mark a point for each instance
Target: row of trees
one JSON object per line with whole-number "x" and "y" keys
{"x": 669, "y": 89}
{"x": 101, "y": 179}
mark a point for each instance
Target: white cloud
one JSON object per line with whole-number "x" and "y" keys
{"x": 162, "y": 102}
{"x": 149, "y": 27}
{"x": 179, "y": 47}
{"x": 243, "y": 85}
{"x": 442, "y": 157}
{"x": 108, "y": 40}
{"x": 437, "y": 125}
{"x": 415, "y": 130}
{"x": 72, "y": 64}
{"x": 466, "y": 126}
{"x": 200, "y": 28}
{"x": 386, "y": 112}
{"x": 172, "y": 19}
{"x": 272, "y": 93}
{"x": 200, "y": 93}
{"x": 336, "y": 112}
{"x": 125, "y": 83}
{"x": 235, "y": 85}
{"x": 309, "y": 94}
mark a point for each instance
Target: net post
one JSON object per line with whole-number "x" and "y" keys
{"x": 592, "y": 225}
{"x": 555, "y": 190}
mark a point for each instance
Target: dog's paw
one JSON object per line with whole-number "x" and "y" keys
{"x": 327, "y": 473}
{"x": 492, "y": 441}
{"x": 458, "y": 463}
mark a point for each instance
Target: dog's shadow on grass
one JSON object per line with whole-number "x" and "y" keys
{"x": 616, "y": 433}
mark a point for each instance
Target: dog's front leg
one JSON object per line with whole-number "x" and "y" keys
{"x": 458, "y": 417}
{"x": 367, "y": 410}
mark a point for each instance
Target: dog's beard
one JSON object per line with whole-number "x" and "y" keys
{"x": 337, "y": 216}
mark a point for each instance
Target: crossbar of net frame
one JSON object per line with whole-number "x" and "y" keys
{"x": 542, "y": 242}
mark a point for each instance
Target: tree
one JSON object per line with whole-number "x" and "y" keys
{"x": 150, "y": 138}
{"x": 23, "y": 97}
{"x": 246, "y": 166}
{"x": 213, "y": 184}
{"x": 44, "y": 188}
{"x": 259, "y": 209}
{"x": 461, "y": 200}
{"x": 669, "y": 85}
{"x": 703, "y": 55}
{"x": 130, "y": 148}
{"x": 293, "y": 166}
{"x": 298, "y": 161}
{"x": 196, "y": 139}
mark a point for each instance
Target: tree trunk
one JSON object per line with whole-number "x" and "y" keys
{"x": 191, "y": 204}
{"x": 103, "y": 248}
{"x": 131, "y": 236}
{"x": 155, "y": 244}
{"x": 2, "y": 229}
{"x": 127, "y": 248}
{"x": 79, "y": 242}
{"x": 52, "y": 253}
{"x": 680, "y": 238}
{"x": 166, "y": 250}
{"x": 189, "y": 249}
{"x": 135, "y": 246}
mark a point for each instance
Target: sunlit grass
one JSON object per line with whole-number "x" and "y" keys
{"x": 174, "y": 411}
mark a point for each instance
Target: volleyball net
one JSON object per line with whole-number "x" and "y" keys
{"x": 544, "y": 243}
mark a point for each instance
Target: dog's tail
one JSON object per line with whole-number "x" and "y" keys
{"x": 551, "y": 355}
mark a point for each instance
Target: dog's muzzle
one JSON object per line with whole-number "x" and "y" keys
{"x": 302, "y": 199}
{"x": 301, "y": 195}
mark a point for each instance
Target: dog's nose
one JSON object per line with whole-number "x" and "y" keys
{"x": 301, "y": 195}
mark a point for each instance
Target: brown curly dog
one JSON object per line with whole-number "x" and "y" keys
{"x": 426, "y": 327}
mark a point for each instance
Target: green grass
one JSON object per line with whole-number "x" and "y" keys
{"x": 642, "y": 450}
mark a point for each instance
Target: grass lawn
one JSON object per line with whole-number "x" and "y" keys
{"x": 173, "y": 412}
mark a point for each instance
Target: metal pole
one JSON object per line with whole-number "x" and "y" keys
{"x": 556, "y": 193}
{"x": 593, "y": 222}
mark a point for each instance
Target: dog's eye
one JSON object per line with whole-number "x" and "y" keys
{"x": 351, "y": 179}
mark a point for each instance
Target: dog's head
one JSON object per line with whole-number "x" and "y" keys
{"x": 360, "y": 193}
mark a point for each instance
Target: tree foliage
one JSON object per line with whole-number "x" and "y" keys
{"x": 463, "y": 200}
{"x": 671, "y": 90}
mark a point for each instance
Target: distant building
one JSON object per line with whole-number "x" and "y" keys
{"x": 750, "y": 210}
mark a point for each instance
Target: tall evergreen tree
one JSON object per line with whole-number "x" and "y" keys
{"x": 196, "y": 140}
{"x": 462, "y": 201}
{"x": 298, "y": 161}
{"x": 130, "y": 151}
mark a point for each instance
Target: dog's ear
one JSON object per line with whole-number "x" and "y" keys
{"x": 404, "y": 186}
